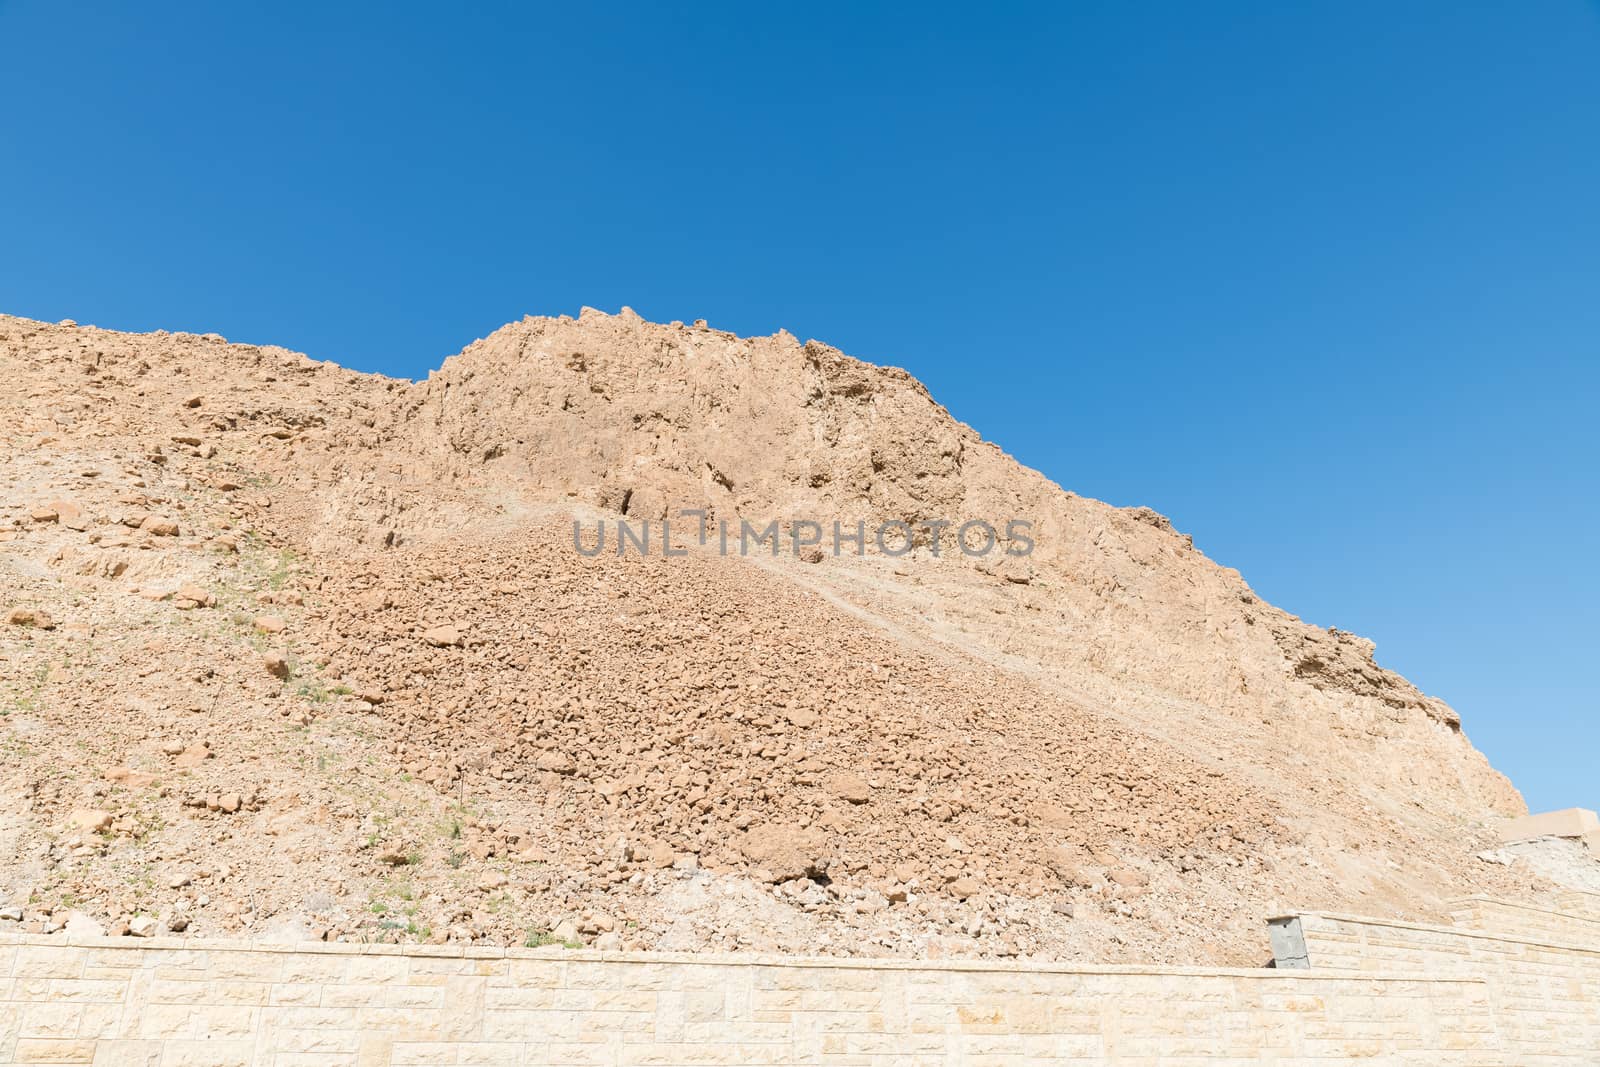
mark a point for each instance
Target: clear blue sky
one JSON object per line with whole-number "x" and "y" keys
{"x": 1320, "y": 280}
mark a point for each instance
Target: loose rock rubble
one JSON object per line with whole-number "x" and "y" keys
{"x": 292, "y": 651}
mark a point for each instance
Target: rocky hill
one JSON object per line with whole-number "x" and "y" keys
{"x": 292, "y": 651}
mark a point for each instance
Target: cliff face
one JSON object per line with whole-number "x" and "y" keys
{"x": 397, "y": 663}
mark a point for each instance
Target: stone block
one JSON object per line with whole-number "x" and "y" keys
{"x": 49, "y": 961}
{"x": 48, "y": 1050}
{"x": 49, "y": 1019}
{"x": 123, "y": 1053}
{"x": 1568, "y": 822}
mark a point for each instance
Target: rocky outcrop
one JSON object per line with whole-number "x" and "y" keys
{"x": 316, "y": 651}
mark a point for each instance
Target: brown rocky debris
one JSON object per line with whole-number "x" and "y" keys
{"x": 1108, "y": 749}
{"x": 31, "y": 617}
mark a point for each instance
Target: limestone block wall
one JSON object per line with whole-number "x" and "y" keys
{"x": 1544, "y": 994}
{"x": 1526, "y": 920}
{"x": 190, "y": 1004}
{"x": 1580, "y": 903}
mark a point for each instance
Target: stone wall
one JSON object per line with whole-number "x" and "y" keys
{"x": 1544, "y": 991}
{"x": 1578, "y": 902}
{"x": 188, "y": 1004}
{"x": 1526, "y": 920}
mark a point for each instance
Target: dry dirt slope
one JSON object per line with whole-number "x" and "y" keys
{"x": 303, "y": 652}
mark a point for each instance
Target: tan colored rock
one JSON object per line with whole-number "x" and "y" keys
{"x": 71, "y": 515}
{"x": 1066, "y": 864}
{"x": 1126, "y": 876}
{"x": 374, "y": 600}
{"x": 555, "y": 763}
{"x": 801, "y": 717}
{"x": 193, "y": 755}
{"x": 131, "y": 778}
{"x": 783, "y": 853}
{"x": 193, "y": 596}
{"x": 657, "y": 854}
{"x": 442, "y": 636}
{"x": 90, "y": 820}
{"x": 849, "y": 787}
{"x": 31, "y": 617}
{"x": 964, "y": 887}
{"x": 79, "y": 924}
{"x": 270, "y": 624}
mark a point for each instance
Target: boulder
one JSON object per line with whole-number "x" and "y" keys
{"x": 31, "y": 617}
{"x": 190, "y": 595}
{"x": 80, "y": 925}
{"x": 442, "y": 637}
{"x": 964, "y": 887}
{"x": 849, "y": 787}
{"x": 193, "y": 755}
{"x": 90, "y": 820}
{"x": 783, "y": 853}
{"x": 129, "y": 777}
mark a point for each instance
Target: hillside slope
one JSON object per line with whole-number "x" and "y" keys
{"x": 305, "y": 652}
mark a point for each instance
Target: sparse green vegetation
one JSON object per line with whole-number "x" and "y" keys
{"x": 544, "y": 938}
{"x": 283, "y": 568}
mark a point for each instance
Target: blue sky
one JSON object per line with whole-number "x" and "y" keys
{"x": 1320, "y": 281}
